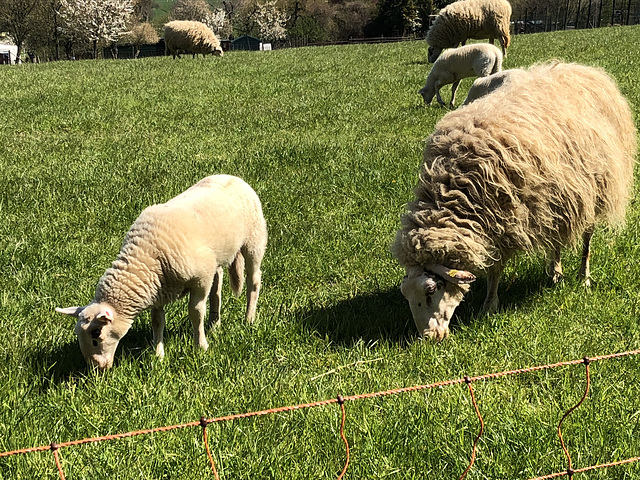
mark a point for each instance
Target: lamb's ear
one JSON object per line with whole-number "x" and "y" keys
{"x": 451, "y": 275}
{"x": 105, "y": 316}
{"x": 72, "y": 311}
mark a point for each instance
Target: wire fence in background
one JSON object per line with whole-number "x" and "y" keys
{"x": 340, "y": 401}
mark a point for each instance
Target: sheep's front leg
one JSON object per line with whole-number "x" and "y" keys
{"x": 454, "y": 88}
{"x": 555, "y": 269}
{"x": 157, "y": 323}
{"x": 493, "y": 280}
{"x": 586, "y": 255}
{"x": 215, "y": 298}
{"x": 197, "y": 309}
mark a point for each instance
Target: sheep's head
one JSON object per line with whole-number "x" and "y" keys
{"x": 433, "y": 295}
{"x": 99, "y": 331}
{"x": 434, "y": 53}
{"x": 218, "y": 52}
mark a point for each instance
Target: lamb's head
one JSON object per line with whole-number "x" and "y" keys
{"x": 434, "y": 53}
{"x": 433, "y": 294}
{"x": 218, "y": 52}
{"x": 99, "y": 330}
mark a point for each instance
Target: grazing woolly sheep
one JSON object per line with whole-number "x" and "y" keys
{"x": 466, "y": 19}
{"x": 529, "y": 168}
{"x": 190, "y": 37}
{"x": 172, "y": 249}
{"x": 477, "y": 60}
{"x": 485, "y": 85}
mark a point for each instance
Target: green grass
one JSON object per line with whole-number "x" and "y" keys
{"x": 331, "y": 139}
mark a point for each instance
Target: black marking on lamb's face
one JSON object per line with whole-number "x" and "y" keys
{"x": 95, "y": 333}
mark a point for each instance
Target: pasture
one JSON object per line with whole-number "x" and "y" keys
{"x": 331, "y": 139}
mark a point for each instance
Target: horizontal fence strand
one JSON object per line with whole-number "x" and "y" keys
{"x": 340, "y": 400}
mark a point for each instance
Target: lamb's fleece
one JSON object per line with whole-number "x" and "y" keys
{"x": 466, "y": 19}
{"x": 485, "y": 85}
{"x": 190, "y": 37}
{"x": 172, "y": 249}
{"x": 529, "y": 168}
{"x": 477, "y": 60}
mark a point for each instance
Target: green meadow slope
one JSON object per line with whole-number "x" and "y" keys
{"x": 331, "y": 139}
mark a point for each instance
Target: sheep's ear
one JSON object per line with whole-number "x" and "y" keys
{"x": 72, "y": 311}
{"x": 454, "y": 276}
{"x": 105, "y": 316}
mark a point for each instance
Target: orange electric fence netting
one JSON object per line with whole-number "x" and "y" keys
{"x": 340, "y": 401}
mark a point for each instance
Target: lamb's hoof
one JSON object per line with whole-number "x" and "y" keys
{"x": 438, "y": 333}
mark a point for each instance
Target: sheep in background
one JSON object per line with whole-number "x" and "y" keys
{"x": 477, "y": 60}
{"x": 485, "y": 85}
{"x": 529, "y": 168}
{"x": 466, "y": 19}
{"x": 172, "y": 249}
{"x": 190, "y": 37}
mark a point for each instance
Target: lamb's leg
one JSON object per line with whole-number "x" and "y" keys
{"x": 438, "y": 97}
{"x": 586, "y": 256}
{"x": 254, "y": 280}
{"x": 157, "y": 324}
{"x": 215, "y": 298}
{"x": 493, "y": 280}
{"x": 555, "y": 269}
{"x": 454, "y": 87}
{"x": 197, "y": 309}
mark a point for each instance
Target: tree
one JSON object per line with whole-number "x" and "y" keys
{"x": 15, "y": 16}
{"x": 271, "y": 21}
{"x": 98, "y": 21}
{"x": 197, "y": 10}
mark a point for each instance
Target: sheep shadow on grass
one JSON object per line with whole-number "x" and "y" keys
{"x": 385, "y": 315}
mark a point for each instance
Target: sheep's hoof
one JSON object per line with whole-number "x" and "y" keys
{"x": 555, "y": 279}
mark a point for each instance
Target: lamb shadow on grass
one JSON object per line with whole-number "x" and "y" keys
{"x": 64, "y": 362}
{"x": 385, "y": 315}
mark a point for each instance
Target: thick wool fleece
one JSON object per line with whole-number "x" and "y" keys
{"x": 528, "y": 168}
{"x": 478, "y": 19}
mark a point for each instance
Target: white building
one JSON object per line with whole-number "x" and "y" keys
{"x": 8, "y": 54}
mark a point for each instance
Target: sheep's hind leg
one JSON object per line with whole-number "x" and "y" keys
{"x": 254, "y": 280}
{"x": 157, "y": 324}
{"x": 197, "y": 309}
{"x": 583, "y": 273}
{"x": 454, "y": 88}
{"x": 215, "y": 298}
{"x": 555, "y": 269}
{"x": 493, "y": 280}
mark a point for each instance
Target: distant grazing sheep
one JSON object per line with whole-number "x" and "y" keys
{"x": 190, "y": 37}
{"x": 172, "y": 249}
{"x": 529, "y": 168}
{"x": 466, "y": 19}
{"x": 477, "y": 60}
{"x": 485, "y": 85}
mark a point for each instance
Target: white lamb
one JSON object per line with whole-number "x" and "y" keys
{"x": 172, "y": 249}
{"x": 485, "y": 85}
{"x": 477, "y": 60}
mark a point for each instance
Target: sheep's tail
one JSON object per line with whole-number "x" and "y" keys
{"x": 236, "y": 274}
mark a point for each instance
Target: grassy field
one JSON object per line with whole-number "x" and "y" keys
{"x": 331, "y": 139}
